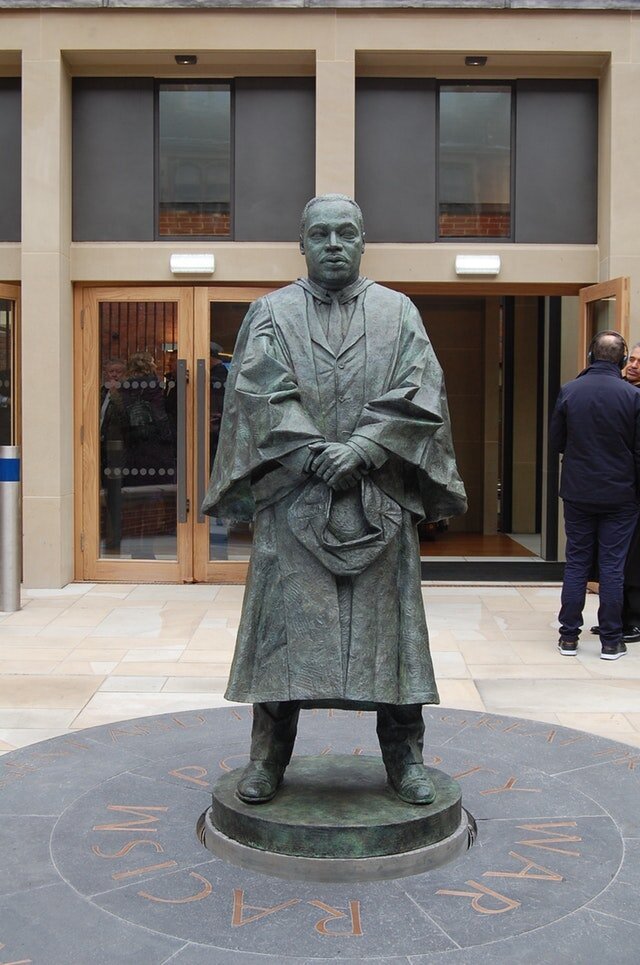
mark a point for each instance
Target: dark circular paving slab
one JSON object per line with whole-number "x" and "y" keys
{"x": 100, "y": 861}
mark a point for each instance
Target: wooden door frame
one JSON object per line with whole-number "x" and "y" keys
{"x": 12, "y": 293}
{"x": 88, "y": 564}
{"x": 617, "y": 288}
{"x": 205, "y": 570}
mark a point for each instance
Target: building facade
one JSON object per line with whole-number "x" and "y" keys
{"x": 154, "y": 161}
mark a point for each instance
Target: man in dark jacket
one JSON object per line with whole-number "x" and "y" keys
{"x": 596, "y": 425}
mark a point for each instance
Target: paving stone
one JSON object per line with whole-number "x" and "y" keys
{"x": 100, "y": 861}
{"x": 56, "y": 926}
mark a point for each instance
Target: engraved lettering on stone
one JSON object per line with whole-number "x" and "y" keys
{"x": 335, "y": 914}
{"x": 552, "y": 734}
{"x": 628, "y": 758}
{"x": 549, "y": 829}
{"x": 510, "y": 785}
{"x": 195, "y": 777}
{"x": 483, "y": 893}
{"x": 226, "y": 766}
{"x": 545, "y": 873}
{"x": 204, "y": 892}
{"x": 162, "y": 866}
{"x": 143, "y": 817}
{"x": 238, "y": 919}
{"x": 126, "y": 848}
{"x": 475, "y": 769}
{"x": 23, "y": 961}
{"x": 156, "y": 727}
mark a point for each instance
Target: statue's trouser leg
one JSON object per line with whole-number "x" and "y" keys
{"x": 275, "y": 724}
{"x": 401, "y": 733}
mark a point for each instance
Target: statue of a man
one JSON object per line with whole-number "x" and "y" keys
{"x": 336, "y": 439}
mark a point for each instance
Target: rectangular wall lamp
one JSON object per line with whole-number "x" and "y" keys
{"x": 477, "y": 264}
{"x": 192, "y": 264}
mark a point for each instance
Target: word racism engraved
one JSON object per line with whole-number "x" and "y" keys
{"x": 147, "y": 820}
{"x": 556, "y": 811}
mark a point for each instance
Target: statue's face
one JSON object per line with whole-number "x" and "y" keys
{"x": 332, "y": 244}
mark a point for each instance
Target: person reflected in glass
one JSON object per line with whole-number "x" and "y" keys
{"x": 113, "y": 431}
{"x": 170, "y": 389}
{"x": 217, "y": 381}
{"x": 151, "y": 448}
{"x": 5, "y": 408}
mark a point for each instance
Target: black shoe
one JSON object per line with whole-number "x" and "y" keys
{"x": 568, "y": 648}
{"x": 595, "y": 630}
{"x": 412, "y": 784}
{"x": 631, "y": 634}
{"x": 612, "y": 651}
{"x": 259, "y": 782}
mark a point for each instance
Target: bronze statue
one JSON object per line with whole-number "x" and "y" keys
{"x": 336, "y": 439}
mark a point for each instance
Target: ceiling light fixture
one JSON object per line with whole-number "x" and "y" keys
{"x": 186, "y": 59}
{"x": 475, "y": 60}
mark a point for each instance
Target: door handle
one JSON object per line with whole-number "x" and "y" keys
{"x": 201, "y": 418}
{"x": 181, "y": 447}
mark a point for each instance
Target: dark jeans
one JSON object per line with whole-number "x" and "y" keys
{"x": 606, "y": 531}
{"x": 631, "y": 608}
{"x": 400, "y": 731}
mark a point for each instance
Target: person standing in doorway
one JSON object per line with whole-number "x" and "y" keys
{"x": 596, "y": 426}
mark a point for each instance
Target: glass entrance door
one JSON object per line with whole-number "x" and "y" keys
{"x": 9, "y": 366}
{"x": 154, "y": 364}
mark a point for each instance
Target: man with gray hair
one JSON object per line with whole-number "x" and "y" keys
{"x": 596, "y": 426}
{"x": 335, "y": 437}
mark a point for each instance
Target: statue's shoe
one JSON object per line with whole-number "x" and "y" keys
{"x": 259, "y": 782}
{"x": 412, "y": 784}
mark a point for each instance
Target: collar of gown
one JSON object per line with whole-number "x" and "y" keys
{"x": 343, "y": 295}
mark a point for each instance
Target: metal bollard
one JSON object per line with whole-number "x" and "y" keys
{"x": 10, "y": 529}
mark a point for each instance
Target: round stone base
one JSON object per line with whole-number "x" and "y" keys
{"x": 335, "y": 818}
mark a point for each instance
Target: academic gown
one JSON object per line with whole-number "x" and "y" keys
{"x": 306, "y": 633}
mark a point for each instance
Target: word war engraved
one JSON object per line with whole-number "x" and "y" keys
{"x": 486, "y": 901}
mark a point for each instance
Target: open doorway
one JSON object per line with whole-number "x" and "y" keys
{"x": 500, "y": 356}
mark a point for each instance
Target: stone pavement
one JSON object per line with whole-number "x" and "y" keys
{"x": 91, "y": 654}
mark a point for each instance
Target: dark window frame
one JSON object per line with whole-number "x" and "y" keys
{"x": 480, "y": 239}
{"x": 182, "y": 82}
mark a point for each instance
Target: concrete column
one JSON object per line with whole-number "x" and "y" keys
{"x": 620, "y": 242}
{"x": 47, "y": 322}
{"x": 335, "y": 126}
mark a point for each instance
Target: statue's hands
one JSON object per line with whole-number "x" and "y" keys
{"x": 337, "y": 464}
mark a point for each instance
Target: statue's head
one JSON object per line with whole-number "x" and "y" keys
{"x": 332, "y": 240}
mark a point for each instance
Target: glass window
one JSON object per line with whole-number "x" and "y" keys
{"x": 474, "y": 176}
{"x": 230, "y": 540}
{"x": 138, "y": 430}
{"x": 194, "y": 122}
{"x": 7, "y": 402}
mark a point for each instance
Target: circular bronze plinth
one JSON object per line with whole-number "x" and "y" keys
{"x": 336, "y": 819}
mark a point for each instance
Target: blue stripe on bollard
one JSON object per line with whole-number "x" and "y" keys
{"x": 9, "y": 470}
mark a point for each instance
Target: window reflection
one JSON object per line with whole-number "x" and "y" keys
{"x": 7, "y": 437}
{"x": 227, "y": 541}
{"x": 475, "y": 162}
{"x": 194, "y": 160}
{"x": 137, "y": 422}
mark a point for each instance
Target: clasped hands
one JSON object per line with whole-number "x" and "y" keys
{"x": 340, "y": 466}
